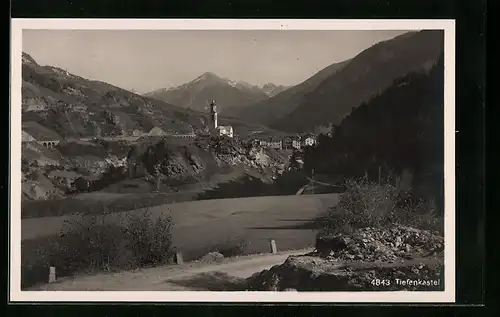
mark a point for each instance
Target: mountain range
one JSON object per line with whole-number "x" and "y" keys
{"x": 70, "y": 105}
{"x": 367, "y": 74}
{"x": 197, "y": 93}
{"x": 272, "y": 90}
{"x": 323, "y": 99}
{"x": 285, "y": 102}
{"x": 59, "y": 104}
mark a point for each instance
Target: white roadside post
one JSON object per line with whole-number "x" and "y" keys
{"x": 52, "y": 274}
{"x": 178, "y": 258}
{"x": 274, "y": 249}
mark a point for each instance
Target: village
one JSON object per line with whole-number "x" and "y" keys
{"x": 297, "y": 141}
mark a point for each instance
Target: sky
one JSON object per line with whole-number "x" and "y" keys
{"x": 145, "y": 60}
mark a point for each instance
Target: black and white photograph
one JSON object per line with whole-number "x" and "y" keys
{"x": 188, "y": 160}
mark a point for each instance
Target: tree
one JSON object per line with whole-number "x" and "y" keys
{"x": 401, "y": 128}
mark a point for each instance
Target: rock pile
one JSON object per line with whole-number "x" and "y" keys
{"x": 308, "y": 273}
{"x": 212, "y": 257}
{"x": 385, "y": 259}
{"x": 380, "y": 244}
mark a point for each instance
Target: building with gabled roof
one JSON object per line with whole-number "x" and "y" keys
{"x": 309, "y": 140}
{"x": 225, "y": 130}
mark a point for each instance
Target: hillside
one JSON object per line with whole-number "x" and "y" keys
{"x": 72, "y": 106}
{"x": 149, "y": 172}
{"x": 367, "y": 74}
{"x": 50, "y": 173}
{"x": 58, "y": 105}
{"x": 284, "y": 102}
{"x": 399, "y": 131}
{"x": 193, "y": 162}
{"x": 197, "y": 93}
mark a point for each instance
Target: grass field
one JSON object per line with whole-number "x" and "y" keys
{"x": 199, "y": 225}
{"x": 129, "y": 195}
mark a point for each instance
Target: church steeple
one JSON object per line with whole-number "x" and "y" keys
{"x": 213, "y": 113}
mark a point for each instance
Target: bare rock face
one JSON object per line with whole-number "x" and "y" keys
{"x": 177, "y": 161}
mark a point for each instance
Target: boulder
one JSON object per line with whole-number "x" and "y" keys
{"x": 212, "y": 257}
{"x": 325, "y": 244}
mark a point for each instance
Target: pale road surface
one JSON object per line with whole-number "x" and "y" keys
{"x": 198, "y": 275}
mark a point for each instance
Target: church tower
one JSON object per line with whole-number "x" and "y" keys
{"x": 213, "y": 113}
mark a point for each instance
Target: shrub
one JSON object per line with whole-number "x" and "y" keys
{"x": 91, "y": 244}
{"x": 100, "y": 243}
{"x": 421, "y": 214}
{"x": 369, "y": 204}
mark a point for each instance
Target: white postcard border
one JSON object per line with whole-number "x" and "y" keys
{"x": 17, "y": 25}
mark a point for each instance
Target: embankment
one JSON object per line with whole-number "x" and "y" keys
{"x": 198, "y": 226}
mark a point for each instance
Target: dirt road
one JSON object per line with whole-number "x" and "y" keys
{"x": 224, "y": 276}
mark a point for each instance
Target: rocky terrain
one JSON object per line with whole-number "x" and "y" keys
{"x": 370, "y": 259}
{"x": 51, "y": 173}
{"x": 202, "y": 158}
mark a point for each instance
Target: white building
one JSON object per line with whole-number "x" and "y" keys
{"x": 309, "y": 141}
{"x": 296, "y": 144}
{"x": 275, "y": 144}
{"x": 226, "y": 130}
{"x": 137, "y": 133}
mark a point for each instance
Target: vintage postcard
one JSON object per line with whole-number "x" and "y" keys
{"x": 232, "y": 160}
